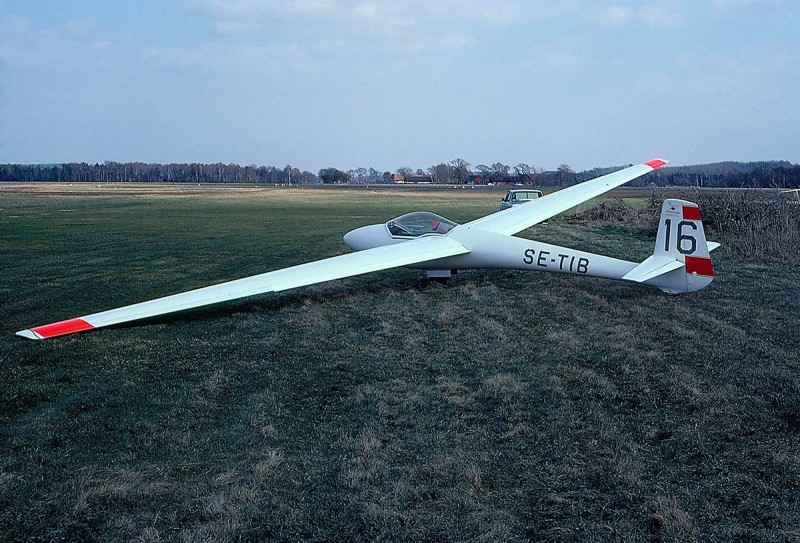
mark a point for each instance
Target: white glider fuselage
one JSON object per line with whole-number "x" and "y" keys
{"x": 489, "y": 250}
{"x": 680, "y": 262}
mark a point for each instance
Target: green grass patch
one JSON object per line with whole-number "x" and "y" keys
{"x": 502, "y": 405}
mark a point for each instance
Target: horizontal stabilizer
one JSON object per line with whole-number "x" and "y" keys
{"x": 712, "y": 245}
{"x": 652, "y": 267}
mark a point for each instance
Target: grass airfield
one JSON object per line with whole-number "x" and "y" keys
{"x": 501, "y": 406}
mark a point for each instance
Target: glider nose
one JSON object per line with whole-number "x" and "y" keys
{"x": 367, "y": 237}
{"x": 351, "y": 239}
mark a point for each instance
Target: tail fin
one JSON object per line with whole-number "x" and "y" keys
{"x": 681, "y": 261}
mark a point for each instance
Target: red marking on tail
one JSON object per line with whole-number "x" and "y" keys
{"x": 691, "y": 213}
{"x": 702, "y": 266}
{"x": 655, "y": 163}
{"x": 62, "y": 328}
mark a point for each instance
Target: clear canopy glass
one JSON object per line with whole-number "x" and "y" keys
{"x": 419, "y": 223}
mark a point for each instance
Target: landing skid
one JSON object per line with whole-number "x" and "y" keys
{"x": 440, "y": 276}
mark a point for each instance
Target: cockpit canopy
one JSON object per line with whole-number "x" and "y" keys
{"x": 419, "y": 223}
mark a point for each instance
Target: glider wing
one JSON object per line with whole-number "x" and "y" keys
{"x": 518, "y": 218}
{"x": 347, "y": 265}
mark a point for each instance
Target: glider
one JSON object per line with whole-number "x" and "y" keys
{"x": 680, "y": 262}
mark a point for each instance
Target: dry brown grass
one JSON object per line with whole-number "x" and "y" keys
{"x": 754, "y": 224}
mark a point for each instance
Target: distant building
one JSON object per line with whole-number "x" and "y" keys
{"x": 412, "y": 178}
{"x": 476, "y": 179}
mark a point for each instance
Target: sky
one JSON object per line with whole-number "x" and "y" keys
{"x": 390, "y": 84}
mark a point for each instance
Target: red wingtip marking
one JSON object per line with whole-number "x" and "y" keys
{"x": 691, "y": 213}
{"x": 655, "y": 163}
{"x": 62, "y": 328}
{"x": 701, "y": 266}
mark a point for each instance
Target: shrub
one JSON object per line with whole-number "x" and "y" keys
{"x": 752, "y": 223}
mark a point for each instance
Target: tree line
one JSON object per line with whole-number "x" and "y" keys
{"x": 139, "y": 172}
{"x": 458, "y": 171}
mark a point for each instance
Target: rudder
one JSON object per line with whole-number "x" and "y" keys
{"x": 681, "y": 237}
{"x": 680, "y": 262}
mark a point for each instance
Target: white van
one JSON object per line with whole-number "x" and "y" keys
{"x": 519, "y": 196}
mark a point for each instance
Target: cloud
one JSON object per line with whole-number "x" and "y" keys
{"x": 237, "y": 27}
{"x": 661, "y": 14}
{"x": 260, "y": 8}
{"x": 613, "y": 15}
{"x": 74, "y": 47}
{"x": 328, "y": 30}
{"x": 441, "y": 42}
{"x": 81, "y": 27}
{"x": 262, "y": 11}
{"x": 664, "y": 13}
{"x": 411, "y": 15}
{"x": 728, "y": 4}
{"x": 23, "y": 45}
